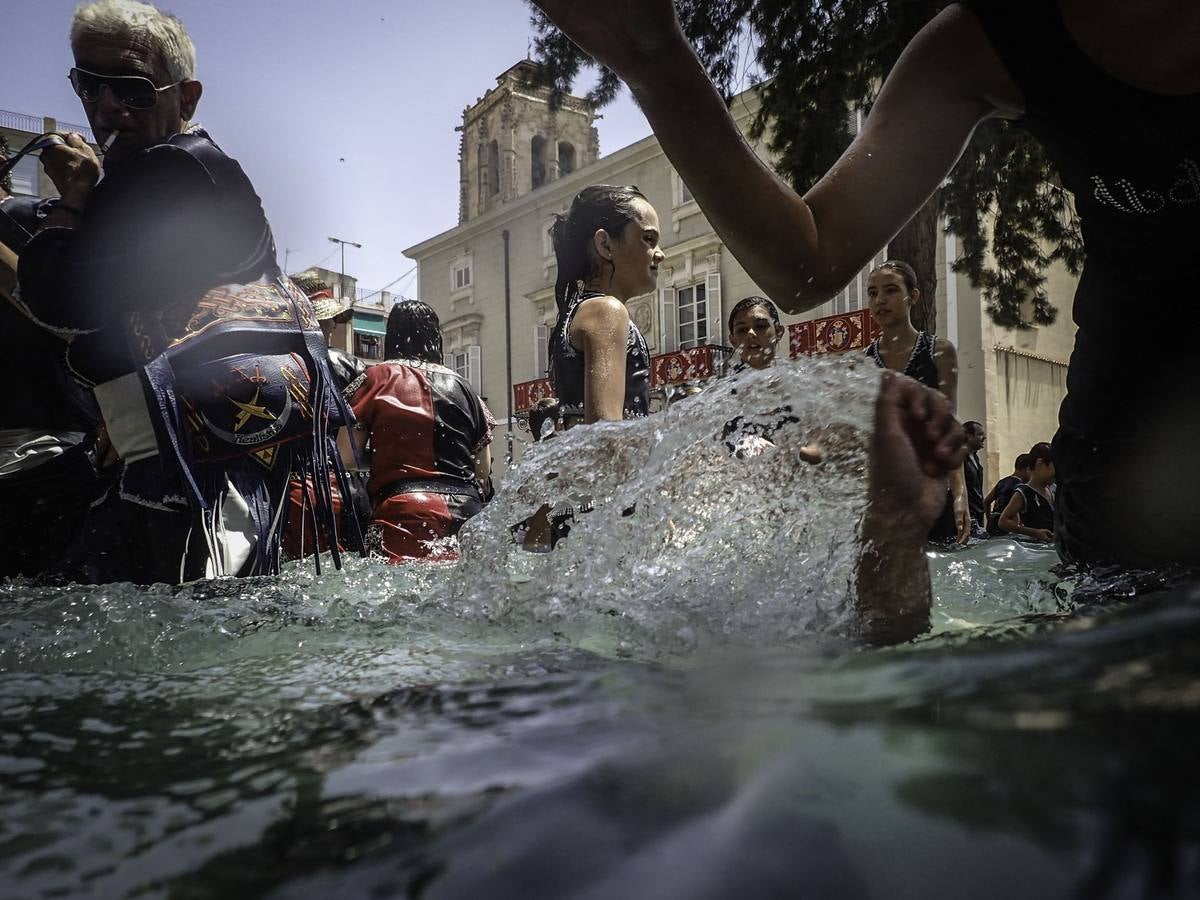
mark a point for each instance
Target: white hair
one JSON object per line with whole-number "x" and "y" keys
{"x": 161, "y": 30}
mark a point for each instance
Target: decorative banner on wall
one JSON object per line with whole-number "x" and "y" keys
{"x": 527, "y": 393}
{"x": 681, "y": 366}
{"x": 832, "y": 334}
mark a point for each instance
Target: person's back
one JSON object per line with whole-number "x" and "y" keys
{"x": 426, "y": 433}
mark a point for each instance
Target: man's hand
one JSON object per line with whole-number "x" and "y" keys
{"x": 74, "y": 169}
{"x": 1042, "y": 534}
{"x": 962, "y": 518}
{"x": 621, "y": 34}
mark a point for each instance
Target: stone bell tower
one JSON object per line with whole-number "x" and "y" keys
{"x": 513, "y": 142}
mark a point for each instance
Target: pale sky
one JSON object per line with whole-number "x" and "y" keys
{"x": 291, "y": 89}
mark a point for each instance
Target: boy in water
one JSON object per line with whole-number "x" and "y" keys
{"x": 1030, "y": 510}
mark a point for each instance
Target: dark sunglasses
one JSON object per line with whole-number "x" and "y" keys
{"x": 131, "y": 91}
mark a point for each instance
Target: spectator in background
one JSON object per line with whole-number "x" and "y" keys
{"x": 429, "y": 435}
{"x": 1000, "y": 493}
{"x": 892, "y": 292}
{"x": 973, "y": 475}
{"x": 1030, "y": 510}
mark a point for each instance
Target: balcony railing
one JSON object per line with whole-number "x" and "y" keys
{"x": 831, "y": 334}
{"x": 15, "y": 121}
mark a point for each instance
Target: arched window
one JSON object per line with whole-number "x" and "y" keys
{"x": 493, "y": 168}
{"x": 566, "y": 159}
{"x": 537, "y": 161}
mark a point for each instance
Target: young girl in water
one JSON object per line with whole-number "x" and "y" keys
{"x": 892, "y": 292}
{"x": 607, "y": 251}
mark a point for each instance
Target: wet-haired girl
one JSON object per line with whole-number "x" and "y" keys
{"x": 892, "y": 292}
{"x": 429, "y": 433}
{"x": 607, "y": 250}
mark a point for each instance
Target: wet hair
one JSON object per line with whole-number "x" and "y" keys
{"x": 903, "y": 269}
{"x": 1040, "y": 452}
{"x": 1022, "y": 462}
{"x": 973, "y": 427}
{"x": 413, "y": 332}
{"x": 597, "y": 206}
{"x": 544, "y": 409}
{"x": 750, "y": 303}
{"x": 128, "y": 18}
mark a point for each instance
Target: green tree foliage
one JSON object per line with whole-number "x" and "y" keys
{"x": 821, "y": 58}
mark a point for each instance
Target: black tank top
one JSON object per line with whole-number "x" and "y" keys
{"x": 566, "y": 367}
{"x": 921, "y": 365}
{"x": 1132, "y": 160}
{"x": 1038, "y": 511}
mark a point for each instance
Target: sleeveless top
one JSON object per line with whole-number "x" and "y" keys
{"x": 566, "y": 367}
{"x": 1132, "y": 160}
{"x": 1038, "y": 511}
{"x": 920, "y": 366}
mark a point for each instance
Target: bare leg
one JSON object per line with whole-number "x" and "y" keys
{"x": 917, "y": 442}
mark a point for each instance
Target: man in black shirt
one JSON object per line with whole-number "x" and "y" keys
{"x": 973, "y": 472}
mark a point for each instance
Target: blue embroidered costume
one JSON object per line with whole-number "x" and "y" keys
{"x": 209, "y": 368}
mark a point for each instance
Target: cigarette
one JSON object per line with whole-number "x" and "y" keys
{"x": 112, "y": 136}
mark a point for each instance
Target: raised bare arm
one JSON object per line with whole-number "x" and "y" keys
{"x": 802, "y": 249}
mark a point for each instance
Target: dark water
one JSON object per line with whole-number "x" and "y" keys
{"x": 666, "y": 707}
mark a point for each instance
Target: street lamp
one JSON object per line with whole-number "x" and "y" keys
{"x": 334, "y": 240}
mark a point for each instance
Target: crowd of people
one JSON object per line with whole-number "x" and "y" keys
{"x": 182, "y": 415}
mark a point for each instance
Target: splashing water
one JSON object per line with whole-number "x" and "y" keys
{"x": 663, "y": 706}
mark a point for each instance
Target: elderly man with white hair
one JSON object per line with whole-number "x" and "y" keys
{"x": 207, "y": 364}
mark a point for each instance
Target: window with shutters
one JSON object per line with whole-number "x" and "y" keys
{"x": 681, "y": 194}
{"x": 466, "y": 362}
{"x": 541, "y": 350}
{"x": 691, "y": 316}
{"x": 461, "y": 274}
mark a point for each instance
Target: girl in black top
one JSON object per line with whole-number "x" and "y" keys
{"x": 607, "y": 251}
{"x": 1030, "y": 511}
{"x": 892, "y": 292}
